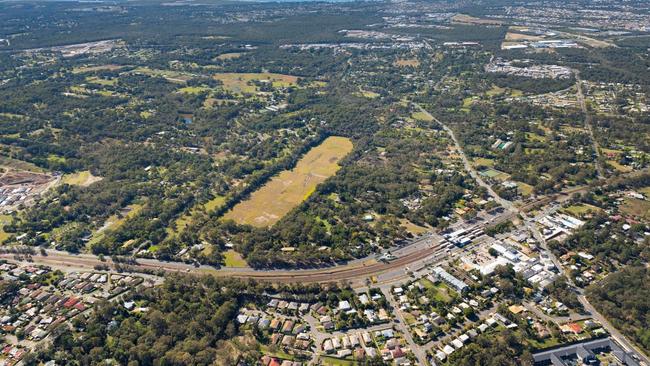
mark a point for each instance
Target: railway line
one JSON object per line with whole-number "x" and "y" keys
{"x": 331, "y": 274}
{"x": 342, "y": 273}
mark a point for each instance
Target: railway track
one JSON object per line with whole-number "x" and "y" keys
{"x": 340, "y": 273}
{"x": 332, "y": 274}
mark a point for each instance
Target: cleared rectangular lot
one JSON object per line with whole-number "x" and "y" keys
{"x": 285, "y": 191}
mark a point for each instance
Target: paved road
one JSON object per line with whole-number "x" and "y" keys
{"x": 531, "y": 226}
{"x": 468, "y": 165}
{"x": 459, "y": 329}
{"x": 618, "y": 336}
{"x": 418, "y": 351}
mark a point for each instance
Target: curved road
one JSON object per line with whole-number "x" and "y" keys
{"x": 529, "y": 223}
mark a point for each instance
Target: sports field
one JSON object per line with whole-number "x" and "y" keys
{"x": 285, "y": 191}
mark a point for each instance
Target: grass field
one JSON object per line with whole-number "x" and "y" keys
{"x": 571, "y": 129}
{"x": 525, "y": 189}
{"x": 516, "y": 93}
{"x": 83, "y": 178}
{"x": 100, "y": 81}
{"x": 467, "y": 102}
{"x": 545, "y": 343}
{"x": 368, "y": 94}
{"x": 332, "y": 361}
{"x": 484, "y": 162}
{"x": 181, "y": 223}
{"x": 172, "y": 76}
{"x": 495, "y": 91}
{"x": 214, "y": 203}
{"x": 442, "y": 291}
{"x": 239, "y": 82}
{"x": 510, "y": 36}
{"x": 493, "y": 173}
{"x": 84, "y": 69}
{"x": 4, "y": 220}
{"x": 468, "y": 19}
{"x": 278, "y": 353}
{"x": 635, "y": 207}
{"x": 193, "y": 90}
{"x": 619, "y": 167}
{"x": 285, "y": 191}
{"x": 409, "y": 318}
{"x": 229, "y": 56}
{"x": 115, "y": 222}
{"x": 233, "y": 259}
{"x": 581, "y": 209}
{"x": 530, "y": 136}
{"x": 20, "y": 165}
{"x": 53, "y": 158}
{"x": 407, "y": 62}
{"x": 412, "y": 228}
{"x": 422, "y": 116}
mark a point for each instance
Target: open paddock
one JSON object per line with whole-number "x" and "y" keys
{"x": 285, "y": 191}
{"x": 407, "y": 62}
{"x": 83, "y": 178}
{"x": 241, "y": 83}
{"x": 85, "y": 69}
{"x": 229, "y": 55}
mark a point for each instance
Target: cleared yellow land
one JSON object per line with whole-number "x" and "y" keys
{"x": 510, "y": 36}
{"x": 84, "y": 69}
{"x": 285, "y": 191}
{"x": 169, "y": 75}
{"x": 240, "y": 82}
{"x": 581, "y": 209}
{"x": 421, "y": 116}
{"x": 214, "y": 203}
{"x": 591, "y": 42}
{"x": 468, "y": 19}
{"x": 495, "y": 90}
{"x": 7, "y": 162}
{"x": 525, "y": 189}
{"x": 619, "y": 167}
{"x": 4, "y": 220}
{"x": 100, "y": 81}
{"x": 412, "y": 228}
{"x": 484, "y": 162}
{"x": 193, "y": 90}
{"x": 368, "y": 94}
{"x": 229, "y": 56}
{"x": 115, "y": 221}
{"x": 233, "y": 259}
{"x": 83, "y": 178}
{"x": 636, "y": 207}
{"x": 407, "y": 62}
